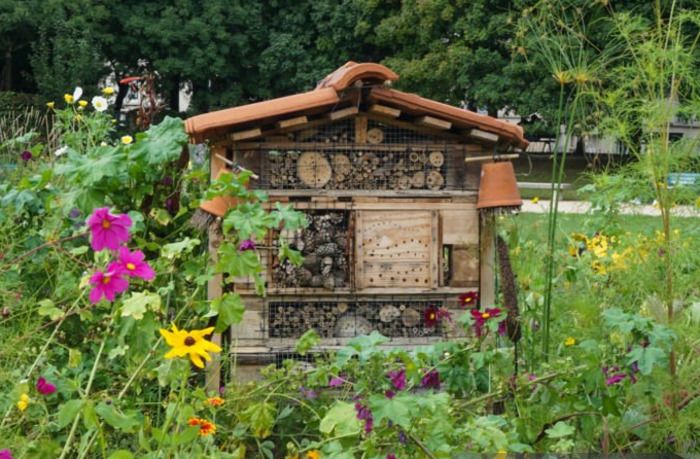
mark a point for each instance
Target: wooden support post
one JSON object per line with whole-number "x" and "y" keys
{"x": 361, "y": 129}
{"x": 434, "y": 123}
{"x": 487, "y": 281}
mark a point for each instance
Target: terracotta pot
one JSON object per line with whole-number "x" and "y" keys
{"x": 218, "y": 206}
{"x": 498, "y": 186}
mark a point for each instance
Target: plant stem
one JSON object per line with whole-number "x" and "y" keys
{"x": 66, "y": 446}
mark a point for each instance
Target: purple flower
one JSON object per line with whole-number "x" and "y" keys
{"x": 171, "y": 205}
{"x": 26, "y": 155}
{"x": 6, "y": 454}
{"x": 391, "y": 456}
{"x": 222, "y": 390}
{"x": 402, "y": 437}
{"x": 132, "y": 264}
{"x": 108, "y": 231}
{"x": 390, "y": 394}
{"x": 74, "y": 213}
{"x": 308, "y": 393}
{"x": 611, "y": 377}
{"x": 247, "y": 244}
{"x": 468, "y": 299}
{"x": 398, "y": 379}
{"x": 364, "y": 414}
{"x": 44, "y": 387}
{"x": 431, "y": 380}
{"x": 336, "y": 381}
{"x": 107, "y": 284}
{"x": 167, "y": 180}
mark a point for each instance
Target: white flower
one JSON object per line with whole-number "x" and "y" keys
{"x": 99, "y": 103}
{"x": 60, "y": 151}
{"x": 77, "y": 93}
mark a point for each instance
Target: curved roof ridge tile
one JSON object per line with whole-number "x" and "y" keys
{"x": 349, "y": 73}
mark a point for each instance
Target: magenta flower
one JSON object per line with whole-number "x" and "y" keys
{"x": 6, "y": 454}
{"x": 132, "y": 264}
{"x": 247, "y": 244}
{"x": 336, "y": 381}
{"x": 44, "y": 387}
{"x": 389, "y": 394}
{"x": 364, "y": 414}
{"x": 481, "y": 317}
{"x": 430, "y": 317}
{"x": 108, "y": 231}
{"x": 391, "y": 456}
{"x": 611, "y": 377}
{"x": 431, "y": 380}
{"x": 107, "y": 284}
{"x": 26, "y": 155}
{"x": 398, "y": 379}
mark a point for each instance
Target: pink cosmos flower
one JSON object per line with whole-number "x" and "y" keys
{"x": 468, "y": 299}
{"x": 44, "y": 387}
{"x": 108, "y": 231}
{"x": 6, "y": 454}
{"x": 107, "y": 284}
{"x": 132, "y": 264}
{"x": 336, "y": 381}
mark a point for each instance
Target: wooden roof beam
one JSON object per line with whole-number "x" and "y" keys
{"x": 484, "y": 136}
{"x": 384, "y": 110}
{"x": 434, "y": 123}
{"x": 343, "y": 113}
{"x": 291, "y": 122}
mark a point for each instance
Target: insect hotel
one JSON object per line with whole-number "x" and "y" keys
{"x": 390, "y": 184}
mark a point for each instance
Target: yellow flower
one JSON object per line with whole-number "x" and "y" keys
{"x": 535, "y": 200}
{"x": 205, "y": 427}
{"x": 23, "y": 402}
{"x": 313, "y": 454}
{"x": 68, "y": 98}
{"x": 82, "y": 103}
{"x": 190, "y": 343}
{"x": 127, "y": 139}
{"x": 51, "y": 105}
{"x": 570, "y": 341}
{"x": 108, "y": 91}
{"x": 78, "y": 118}
{"x": 215, "y": 401}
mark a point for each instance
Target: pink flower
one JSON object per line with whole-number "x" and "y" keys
{"x": 44, "y": 387}
{"x": 132, "y": 264}
{"x": 6, "y": 454}
{"x": 107, "y": 284}
{"x": 468, "y": 299}
{"x": 108, "y": 231}
{"x": 336, "y": 381}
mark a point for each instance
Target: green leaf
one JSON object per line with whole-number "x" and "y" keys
{"x": 139, "y": 302}
{"x": 116, "y": 419}
{"x": 90, "y": 416}
{"x": 261, "y": 418}
{"x": 162, "y": 143}
{"x": 79, "y": 250}
{"x": 121, "y": 454}
{"x": 395, "y": 409}
{"x": 249, "y": 220}
{"x": 292, "y": 219}
{"x": 230, "y": 309}
{"x": 646, "y": 357}
{"x": 307, "y": 341}
{"x": 341, "y": 419}
{"x": 68, "y": 411}
{"x": 560, "y": 430}
{"x": 287, "y": 253}
{"x": 175, "y": 249}
{"x": 236, "y": 263}
{"x": 47, "y": 308}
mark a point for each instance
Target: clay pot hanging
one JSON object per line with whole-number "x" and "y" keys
{"x": 498, "y": 187}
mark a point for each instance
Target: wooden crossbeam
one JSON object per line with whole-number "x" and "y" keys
{"x": 299, "y": 120}
{"x": 483, "y": 135}
{"x": 434, "y": 123}
{"x": 343, "y": 113}
{"x": 384, "y": 110}
{"x": 248, "y": 134}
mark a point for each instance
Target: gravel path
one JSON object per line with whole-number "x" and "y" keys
{"x": 582, "y": 207}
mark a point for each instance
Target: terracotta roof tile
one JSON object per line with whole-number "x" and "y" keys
{"x": 326, "y": 94}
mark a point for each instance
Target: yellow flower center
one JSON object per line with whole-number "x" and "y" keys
{"x": 106, "y": 279}
{"x": 130, "y": 266}
{"x": 485, "y": 315}
{"x": 106, "y": 224}
{"x": 189, "y": 341}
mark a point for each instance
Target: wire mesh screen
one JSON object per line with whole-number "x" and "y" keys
{"x": 390, "y": 158}
{"x": 346, "y": 319}
{"x": 326, "y": 247}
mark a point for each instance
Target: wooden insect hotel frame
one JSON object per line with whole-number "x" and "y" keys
{"x": 389, "y": 182}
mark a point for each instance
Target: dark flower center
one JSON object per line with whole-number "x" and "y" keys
{"x": 189, "y": 341}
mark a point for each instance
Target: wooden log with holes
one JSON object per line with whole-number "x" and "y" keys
{"x": 313, "y": 169}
